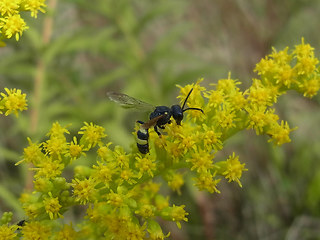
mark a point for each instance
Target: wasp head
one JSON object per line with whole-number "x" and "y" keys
{"x": 177, "y": 113}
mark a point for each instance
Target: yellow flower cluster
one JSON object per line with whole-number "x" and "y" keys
{"x": 123, "y": 200}
{"x": 12, "y": 101}
{"x": 11, "y": 22}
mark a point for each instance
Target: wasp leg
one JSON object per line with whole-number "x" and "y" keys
{"x": 140, "y": 122}
{"x": 157, "y": 131}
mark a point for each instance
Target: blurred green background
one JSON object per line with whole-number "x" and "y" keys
{"x": 71, "y": 56}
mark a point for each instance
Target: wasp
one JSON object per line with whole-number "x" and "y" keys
{"x": 159, "y": 117}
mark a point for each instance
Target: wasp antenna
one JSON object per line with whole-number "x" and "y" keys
{"x": 199, "y": 109}
{"x": 187, "y": 98}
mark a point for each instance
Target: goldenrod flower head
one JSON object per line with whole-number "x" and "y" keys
{"x": 206, "y": 181}
{"x": 34, "y": 6}
{"x": 36, "y": 230}
{"x": 92, "y": 135}
{"x": 9, "y": 7}
{"x": 303, "y": 50}
{"x": 105, "y": 153}
{"x": 215, "y": 99}
{"x": 155, "y": 231}
{"x": 115, "y": 199}
{"x": 234, "y": 169}
{"x": 161, "y": 202}
{"x": 52, "y": 206}
{"x": 75, "y": 150}
{"x": 176, "y": 214}
{"x": 13, "y": 101}
{"x": 280, "y": 133}
{"x": 225, "y": 117}
{"x": 145, "y": 164}
{"x": 175, "y": 182}
{"x": 121, "y": 158}
{"x": 259, "y": 118}
{"x": 33, "y": 210}
{"x": 8, "y": 232}
{"x": 201, "y": 160}
{"x": 13, "y": 26}
{"x": 146, "y": 211}
{"x": 84, "y": 190}
{"x": 259, "y": 94}
{"x": 32, "y": 153}
{"x": 211, "y": 138}
{"x": 48, "y": 168}
{"x": 57, "y": 131}
{"x": 104, "y": 172}
{"x": 43, "y": 184}
{"x": 127, "y": 175}
{"x": 55, "y": 146}
{"x": 227, "y": 86}
{"x": 134, "y": 231}
{"x": 310, "y": 87}
{"x": 67, "y": 233}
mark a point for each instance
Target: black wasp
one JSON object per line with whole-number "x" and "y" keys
{"x": 158, "y": 118}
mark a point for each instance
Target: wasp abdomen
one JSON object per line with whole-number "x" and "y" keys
{"x": 142, "y": 140}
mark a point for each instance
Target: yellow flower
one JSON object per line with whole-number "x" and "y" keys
{"x": 201, "y": 160}
{"x": 175, "y": 213}
{"x": 84, "y": 191}
{"x": 225, "y": 118}
{"x": 280, "y": 133}
{"x": 115, "y": 199}
{"x": 75, "y": 149}
{"x": 34, "y": 6}
{"x": 104, "y": 172}
{"x": 145, "y": 164}
{"x": 234, "y": 169}
{"x": 155, "y": 231}
{"x": 9, "y": 7}
{"x": 36, "y": 230}
{"x": 121, "y": 158}
{"x": 92, "y": 135}
{"x": 48, "y": 168}
{"x": 8, "y": 232}
{"x": 311, "y": 87}
{"x": 67, "y": 233}
{"x": 145, "y": 211}
{"x": 206, "y": 181}
{"x": 13, "y": 26}
{"x": 32, "y": 153}
{"x": 303, "y": 50}
{"x": 52, "y": 206}
{"x": 57, "y": 131}
{"x": 13, "y": 102}
{"x": 227, "y": 86}
{"x": 211, "y": 138}
{"x": 175, "y": 182}
{"x": 55, "y": 147}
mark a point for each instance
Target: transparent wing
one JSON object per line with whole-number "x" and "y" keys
{"x": 129, "y": 102}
